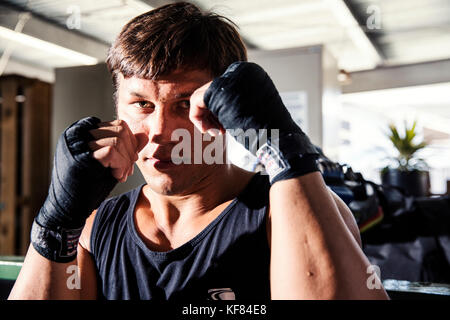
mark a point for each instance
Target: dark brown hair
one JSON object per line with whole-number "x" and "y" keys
{"x": 175, "y": 36}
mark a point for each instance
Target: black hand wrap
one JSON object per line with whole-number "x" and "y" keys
{"x": 244, "y": 97}
{"x": 79, "y": 184}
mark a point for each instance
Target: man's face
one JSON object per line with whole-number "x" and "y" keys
{"x": 153, "y": 109}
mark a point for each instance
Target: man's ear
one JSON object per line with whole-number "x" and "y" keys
{"x": 117, "y": 82}
{"x": 116, "y": 111}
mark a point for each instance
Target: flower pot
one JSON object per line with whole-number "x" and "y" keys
{"x": 415, "y": 183}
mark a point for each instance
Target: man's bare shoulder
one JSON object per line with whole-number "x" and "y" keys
{"x": 85, "y": 238}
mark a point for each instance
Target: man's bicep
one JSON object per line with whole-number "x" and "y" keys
{"x": 87, "y": 274}
{"x": 347, "y": 216}
{"x": 344, "y": 210}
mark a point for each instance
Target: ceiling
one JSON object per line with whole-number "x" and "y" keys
{"x": 361, "y": 34}
{"x": 100, "y": 19}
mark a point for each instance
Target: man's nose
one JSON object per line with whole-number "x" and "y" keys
{"x": 160, "y": 126}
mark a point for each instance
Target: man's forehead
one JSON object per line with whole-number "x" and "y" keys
{"x": 176, "y": 79}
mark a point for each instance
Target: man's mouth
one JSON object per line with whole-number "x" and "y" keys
{"x": 160, "y": 163}
{"x": 164, "y": 162}
{"x": 162, "y": 159}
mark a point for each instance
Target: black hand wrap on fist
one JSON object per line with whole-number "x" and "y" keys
{"x": 244, "y": 97}
{"x": 79, "y": 184}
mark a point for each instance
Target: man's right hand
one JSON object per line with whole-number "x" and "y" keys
{"x": 116, "y": 147}
{"x": 90, "y": 158}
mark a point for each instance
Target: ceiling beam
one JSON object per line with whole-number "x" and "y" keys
{"x": 352, "y": 27}
{"x": 8, "y": 7}
{"x": 44, "y": 30}
{"x": 399, "y": 76}
{"x": 363, "y": 21}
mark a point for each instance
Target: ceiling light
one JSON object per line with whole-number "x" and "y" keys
{"x": 344, "y": 77}
{"x": 48, "y": 47}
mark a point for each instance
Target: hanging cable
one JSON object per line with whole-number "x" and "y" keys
{"x": 23, "y": 18}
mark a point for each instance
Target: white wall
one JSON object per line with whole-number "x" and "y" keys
{"x": 331, "y": 106}
{"x": 297, "y": 69}
{"x": 314, "y": 71}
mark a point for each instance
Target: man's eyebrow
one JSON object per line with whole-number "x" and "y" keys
{"x": 137, "y": 94}
{"x": 181, "y": 95}
{"x": 185, "y": 94}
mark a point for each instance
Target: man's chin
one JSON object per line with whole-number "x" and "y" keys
{"x": 175, "y": 179}
{"x": 167, "y": 181}
{"x": 167, "y": 186}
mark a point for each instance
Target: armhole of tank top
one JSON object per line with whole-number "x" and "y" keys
{"x": 100, "y": 215}
{"x": 265, "y": 223}
{"x": 93, "y": 236}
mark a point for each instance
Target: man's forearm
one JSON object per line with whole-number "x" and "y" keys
{"x": 41, "y": 278}
{"x": 313, "y": 254}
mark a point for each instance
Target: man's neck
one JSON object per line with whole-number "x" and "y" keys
{"x": 207, "y": 197}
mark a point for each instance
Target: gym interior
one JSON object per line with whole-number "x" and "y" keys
{"x": 367, "y": 80}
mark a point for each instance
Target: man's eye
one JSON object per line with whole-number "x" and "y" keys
{"x": 143, "y": 105}
{"x": 185, "y": 104}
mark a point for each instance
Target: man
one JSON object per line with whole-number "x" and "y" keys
{"x": 195, "y": 230}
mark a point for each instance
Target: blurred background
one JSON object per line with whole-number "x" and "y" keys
{"x": 353, "y": 73}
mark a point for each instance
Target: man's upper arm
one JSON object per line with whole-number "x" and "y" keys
{"x": 348, "y": 217}
{"x": 86, "y": 264}
{"x": 345, "y": 212}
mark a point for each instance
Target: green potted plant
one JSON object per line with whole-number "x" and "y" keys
{"x": 409, "y": 172}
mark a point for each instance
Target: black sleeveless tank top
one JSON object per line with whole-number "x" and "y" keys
{"x": 227, "y": 259}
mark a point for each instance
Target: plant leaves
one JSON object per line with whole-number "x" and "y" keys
{"x": 406, "y": 147}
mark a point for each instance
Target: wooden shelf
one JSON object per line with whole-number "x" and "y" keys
{"x": 25, "y": 110}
